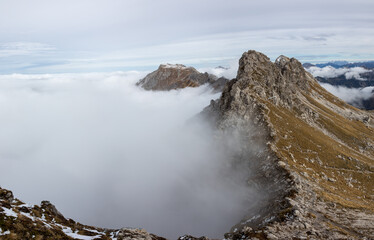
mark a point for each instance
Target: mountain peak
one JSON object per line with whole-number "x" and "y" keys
{"x": 319, "y": 152}
{"x": 282, "y": 60}
{"x": 174, "y": 76}
{"x": 281, "y": 81}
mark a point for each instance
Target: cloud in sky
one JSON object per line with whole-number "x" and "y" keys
{"x": 228, "y": 71}
{"x": 331, "y": 72}
{"x": 114, "y": 35}
{"x": 23, "y": 49}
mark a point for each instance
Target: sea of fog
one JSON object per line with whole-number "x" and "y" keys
{"x": 110, "y": 154}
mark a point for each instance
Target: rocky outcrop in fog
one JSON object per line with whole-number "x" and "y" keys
{"x": 175, "y": 76}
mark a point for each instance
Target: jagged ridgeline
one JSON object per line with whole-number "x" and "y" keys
{"x": 325, "y": 147}
{"x": 311, "y": 155}
{"x": 175, "y": 76}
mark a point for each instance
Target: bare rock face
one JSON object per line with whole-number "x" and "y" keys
{"x": 23, "y": 221}
{"x": 135, "y": 233}
{"x": 6, "y": 195}
{"x": 175, "y": 76}
{"x": 49, "y": 207}
{"x": 279, "y": 82}
{"x": 318, "y": 164}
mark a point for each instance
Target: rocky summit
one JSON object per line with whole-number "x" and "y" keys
{"x": 311, "y": 155}
{"x": 174, "y": 76}
{"x": 318, "y": 166}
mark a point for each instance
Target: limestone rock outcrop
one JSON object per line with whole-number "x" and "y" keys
{"x": 318, "y": 164}
{"x": 175, "y": 76}
{"x": 19, "y": 220}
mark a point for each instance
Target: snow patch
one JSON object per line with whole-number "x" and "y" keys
{"x": 93, "y": 230}
{"x": 28, "y": 215}
{"x": 25, "y": 205}
{"x": 9, "y": 212}
{"x": 251, "y": 219}
{"x": 114, "y": 235}
{"x": 176, "y": 66}
{"x": 282, "y": 59}
{"x": 69, "y": 232}
{"x": 4, "y": 233}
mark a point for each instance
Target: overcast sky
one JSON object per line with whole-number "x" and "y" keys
{"x": 46, "y": 36}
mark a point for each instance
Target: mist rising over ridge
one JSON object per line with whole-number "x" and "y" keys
{"x": 294, "y": 160}
{"x": 186, "y": 120}
{"x": 110, "y": 154}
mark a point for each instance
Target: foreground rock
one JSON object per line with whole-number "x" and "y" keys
{"x": 319, "y": 163}
{"x": 22, "y": 221}
{"x": 175, "y": 76}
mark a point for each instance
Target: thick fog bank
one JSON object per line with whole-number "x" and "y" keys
{"x": 109, "y": 154}
{"x": 353, "y": 96}
{"x": 331, "y": 72}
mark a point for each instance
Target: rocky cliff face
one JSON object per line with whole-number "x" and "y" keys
{"x": 174, "y": 76}
{"x": 319, "y": 160}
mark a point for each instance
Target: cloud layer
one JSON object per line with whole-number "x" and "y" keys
{"x": 228, "y": 71}
{"x": 353, "y": 96}
{"x": 110, "y": 154}
{"x": 331, "y": 72}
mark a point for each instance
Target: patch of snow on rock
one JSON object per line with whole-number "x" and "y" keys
{"x": 9, "y": 212}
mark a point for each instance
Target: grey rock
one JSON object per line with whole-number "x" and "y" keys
{"x": 175, "y": 76}
{"x": 285, "y": 85}
{"x": 46, "y": 205}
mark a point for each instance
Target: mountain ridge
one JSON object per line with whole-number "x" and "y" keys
{"x": 177, "y": 76}
{"x": 311, "y": 154}
{"x": 319, "y": 140}
{"x": 342, "y": 64}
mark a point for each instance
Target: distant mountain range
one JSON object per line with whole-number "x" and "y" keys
{"x": 342, "y": 64}
{"x": 342, "y": 80}
{"x": 176, "y": 76}
{"x": 337, "y": 78}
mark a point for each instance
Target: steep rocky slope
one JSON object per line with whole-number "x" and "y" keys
{"x": 320, "y": 159}
{"x": 23, "y": 221}
{"x": 174, "y": 76}
{"x": 343, "y": 64}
